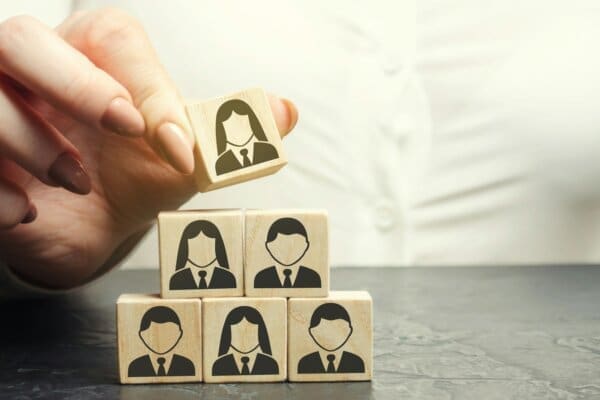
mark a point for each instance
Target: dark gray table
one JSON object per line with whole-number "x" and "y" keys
{"x": 440, "y": 333}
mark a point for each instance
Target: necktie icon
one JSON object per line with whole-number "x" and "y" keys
{"x": 161, "y": 367}
{"x": 245, "y": 369}
{"x": 246, "y": 160}
{"x": 330, "y": 366}
{"x": 202, "y": 283}
{"x": 287, "y": 282}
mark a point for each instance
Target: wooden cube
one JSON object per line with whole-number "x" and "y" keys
{"x": 244, "y": 339}
{"x": 286, "y": 253}
{"x": 331, "y": 339}
{"x": 160, "y": 341}
{"x": 236, "y": 139}
{"x": 201, "y": 253}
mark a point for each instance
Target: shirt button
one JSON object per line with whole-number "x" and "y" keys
{"x": 400, "y": 127}
{"x": 385, "y": 215}
{"x": 390, "y": 66}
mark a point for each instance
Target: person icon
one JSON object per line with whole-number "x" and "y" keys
{"x": 244, "y": 348}
{"x": 160, "y": 331}
{"x": 287, "y": 243}
{"x": 201, "y": 259}
{"x": 330, "y": 328}
{"x": 241, "y": 140}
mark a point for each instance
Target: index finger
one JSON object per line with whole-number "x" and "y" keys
{"x": 36, "y": 57}
{"x": 118, "y": 44}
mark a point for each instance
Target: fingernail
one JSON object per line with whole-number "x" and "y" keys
{"x": 123, "y": 118}
{"x": 30, "y": 216}
{"x": 293, "y": 113}
{"x": 69, "y": 173}
{"x": 285, "y": 112}
{"x": 176, "y": 147}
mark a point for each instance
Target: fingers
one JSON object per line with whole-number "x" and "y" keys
{"x": 117, "y": 43}
{"x": 35, "y": 145}
{"x": 285, "y": 114}
{"x": 39, "y": 59}
{"x": 15, "y": 206}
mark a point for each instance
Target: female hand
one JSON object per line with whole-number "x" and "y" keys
{"x": 90, "y": 124}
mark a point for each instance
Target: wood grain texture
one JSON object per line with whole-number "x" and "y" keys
{"x": 266, "y": 254}
{"x": 205, "y": 120}
{"x": 140, "y": 346}
{"x": 186, "y": 232}
{"x": 232, "y": 328}
{"x": 318, "y": 328}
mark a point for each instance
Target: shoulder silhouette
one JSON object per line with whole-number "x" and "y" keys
{"x": 305, "y": 278}
{"x": 180, "y": 366}
{"x": 263, "y": 365}
{"x": 312, "y": 364}
{"x": 182, "y": 280}
{"x": 228, "y": 162}
{"x": 221, "y": 279}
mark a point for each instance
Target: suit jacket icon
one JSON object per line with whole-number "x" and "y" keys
{"x": 263, "y": 365}
{"x": 312, "y": 364}
{"x": 220, "y": 279}
{"x": 262, "y": 151}
{"x": 269, "y": 278}
{"x": 180, "y": 366}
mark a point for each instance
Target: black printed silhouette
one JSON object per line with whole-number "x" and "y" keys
{"x": 305, "y": 276}
{"x": 264, "y": 364}
{"x": 178, "y": 366}
{"x": 183, "y": 278}
{"x": 236, "y": 156}
{"x": 348, "y": 362}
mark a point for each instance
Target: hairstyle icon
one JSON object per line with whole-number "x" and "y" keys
{"x": 160, "y": 332}
{"x": 197, "y": 261}
{"x": 235, "y": 342}
{"x": 287, "y": 243}
{"x": 244, "y": 135}
{"x": 330, "y": 328}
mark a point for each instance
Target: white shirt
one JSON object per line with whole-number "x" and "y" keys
{"x": 195, "y": 270}
{"x": 434, "y": 132}
{"x": 281, "y": 275}
{"x": 156, "y": 365}
{"x": 251, "y": 359}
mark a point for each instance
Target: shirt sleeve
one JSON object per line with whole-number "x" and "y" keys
{"x": 13, "y": 287}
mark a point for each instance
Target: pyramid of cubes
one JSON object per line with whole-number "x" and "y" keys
{"x": 244, "y": 294}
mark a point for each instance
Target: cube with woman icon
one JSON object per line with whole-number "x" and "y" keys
{"x": 330, "y": 339}
{"x": 236, "y": 139}
{"x": 201, "y": 253}
{"x": 244, "y": 339}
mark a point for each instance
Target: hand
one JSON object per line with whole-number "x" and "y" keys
{"x": 90, "y": 124}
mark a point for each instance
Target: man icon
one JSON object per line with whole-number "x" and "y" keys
{"x": 330, "y": 328}
{"x": 287, "y": 243}
{"x": 160, "y": 331}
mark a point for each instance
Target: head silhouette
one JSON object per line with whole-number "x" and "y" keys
{"x": 160, "y": 329}
{"x": 330, "y": 326}
{"x": 241, "y": 108}
{"x": 287, "y": 241}
{"x": 252, "y": 316}
{"x": 192, "y": 230}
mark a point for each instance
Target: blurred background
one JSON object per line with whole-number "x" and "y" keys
{"x": 433, "y": 132}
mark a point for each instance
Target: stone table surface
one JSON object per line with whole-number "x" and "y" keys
{"x": 440, "y": 333}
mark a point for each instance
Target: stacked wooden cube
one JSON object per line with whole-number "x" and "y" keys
{"x": 244, "y": 297}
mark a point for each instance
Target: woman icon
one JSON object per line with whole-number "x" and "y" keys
{"x": 241, "y": 140}
{"x": 244, "y": 347}
{"x": 201, "y": 259}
